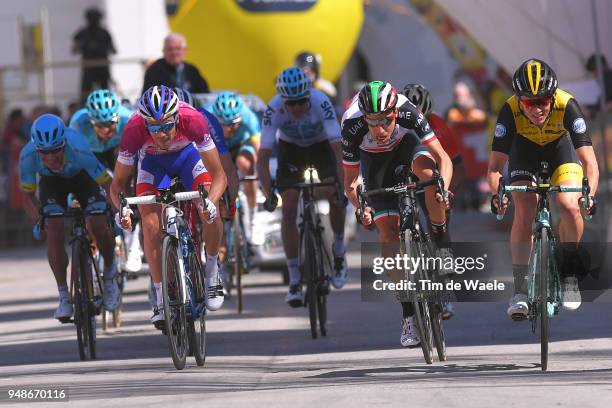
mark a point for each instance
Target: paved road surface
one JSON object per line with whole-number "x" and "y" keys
{"x": 265, "y": 357}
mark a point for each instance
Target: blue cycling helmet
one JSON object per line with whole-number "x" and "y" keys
{"x": 184, "y": 96}
{"x": 228, "y": 107}
{"x": 293, "y": 83}
{"x": 48, "y": 132}
{"x": 158, "y": 103}
{"x": 102, "y": 106}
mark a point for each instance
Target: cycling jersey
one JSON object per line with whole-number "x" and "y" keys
{"x": 249, "y": 128}
{"x": 216, "y": 132}
{"x": 77, "y": 157}
{"x": 447, "y": 138}
{"x": 191, "y": 128}
{"x": 565, "y": 117}
{"x": 81, "y": 123}
{"x": 319, "y": 123}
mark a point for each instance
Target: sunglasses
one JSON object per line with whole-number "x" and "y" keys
{"x": 104, "y": 124}
{"x": 536, "y": 102}
{"x": 52, "y": 151}
{"x": 384, "y": 122}
{"x": 232, "y": 124}
{"x": 164, "y": 127}
{"x": 297, "y": 102}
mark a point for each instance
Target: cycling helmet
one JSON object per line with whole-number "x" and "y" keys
{"x": 184, "y": 96}
{"x": 158, "y": 102}
{"x": 534, "y": 78}
{"x": 102, "y": 106}
{"x": 293, "y": 83}
{"x": 307, "y": 59}
{"x": 48, "y": 132}
{"x": 419, "y": 96}
{"x": 227, "y": 107}
{"x": 377, "y": 97}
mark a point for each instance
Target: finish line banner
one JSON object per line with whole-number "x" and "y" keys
{"x": 476, "y": 272}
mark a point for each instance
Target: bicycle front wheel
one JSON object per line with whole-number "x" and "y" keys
{"x": 310, "y": 269}
{"x": 197, "y": 324}
{"x": 543, "y": 298}
{"x": 239, "y": 260}
{"x": 83, "y": 316}
{"x": 421, "y": 306}
{"x": 174, "y": 308}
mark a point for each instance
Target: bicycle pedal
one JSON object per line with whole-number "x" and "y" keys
{"x": 296, "y": 303}
{"x": 65, "y": 320}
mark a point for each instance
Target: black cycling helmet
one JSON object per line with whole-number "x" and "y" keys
{"x": 419, "y": 96}
{"x": 534, "y": 78}
{"x": 377, "y": 97}
{"x": 306, "y": 59}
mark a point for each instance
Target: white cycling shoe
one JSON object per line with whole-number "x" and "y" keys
{"x": 340, "y": 274}
{"x": 410, "y": 333}
{"x": 64, "y": 311}
{"x": 571, "y": 293}
{"x": 518, "y": 309}
{"x": 214, "y": 296}
{"x": 295, "y": 297}
{"x": 158, "y": 319}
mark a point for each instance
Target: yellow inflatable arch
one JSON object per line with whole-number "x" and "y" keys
{"x": 244, "y": 44}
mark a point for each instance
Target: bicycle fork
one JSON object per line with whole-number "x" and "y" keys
{"x": 173, "y": 230}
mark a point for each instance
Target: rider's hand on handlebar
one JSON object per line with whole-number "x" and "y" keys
{"x": 495, "y": 204}
{"x": 365, "y": 219}
{"x": 125, "y": 220}
{"x": 445, "y": 197}
{"x": 208, "y": 210}
{"x": 271, "y": 202}
{"x": 591, "y": 208}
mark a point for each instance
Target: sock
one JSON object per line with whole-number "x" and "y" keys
{"x": 212, "y": 270}
{"x": 63, "y": 292}
{"x": 110, "y": 271}
{"x": 158, "y": 293}
{"x": 407, "y": 310}
{"x": 294, "y": 271}
{"x": 252, "y": 211}
{"x": 520, "y": 283}
{"x": 338, "y": 246}
{"x": 440, "y": 234}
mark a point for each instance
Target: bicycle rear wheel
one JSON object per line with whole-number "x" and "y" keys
{"x": 174, "y": 308}
{"x": 438, "y": 330}
{"x": 543, "y": 298}
{"x": 197, "y": 324}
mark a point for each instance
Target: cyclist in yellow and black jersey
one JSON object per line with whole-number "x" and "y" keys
{"x": 542, "y": 123}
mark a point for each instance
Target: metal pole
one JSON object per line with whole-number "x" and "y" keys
{"x": 45, "y": 29}
{"x": 602, "y": 100}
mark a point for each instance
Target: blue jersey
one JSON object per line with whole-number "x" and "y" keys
{"x": 81, "y": 123}
{"x": 249, "y": 128}
{"x": 77, "y": 157}
{"x": 216, "y": 132}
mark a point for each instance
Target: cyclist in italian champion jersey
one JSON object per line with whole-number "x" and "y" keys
{"x": 308, "y": 134}
{"x": 64, "y": 163}
{"x": 242, "y": 132}
{"x": 216, "y": 133}
{"x": 102, "y": 122}
{"x": 380, "y": 131}
{"x": 172, "y": 139}
{"x": 541, "y": 122}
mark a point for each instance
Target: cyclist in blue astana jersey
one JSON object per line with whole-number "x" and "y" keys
{"x": 309, "y": 135}
{"x": 241, "y": 130}
{"x": 65, "y": 164}
{"x": 102, "y": 122}
{"x": 221, "y": 145}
